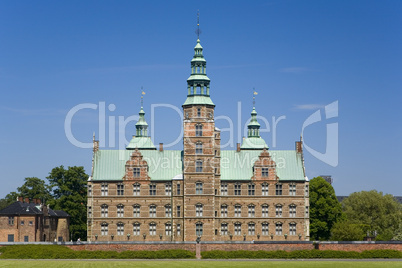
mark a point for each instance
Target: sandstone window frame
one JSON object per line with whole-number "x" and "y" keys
{"x": 251, "y": 228}
{"x": 278, "y": 189}
{"x": 136, "y": 210}
{"x": 136, "y": 172}
{"x": 198, "y": 130}
{"x": 224, "y": 228}
{"x": 120, "y": 228}
{"x": 265, "y": 172}
{"x": 265, "y": 228}
{"x": 152, "y": 189}
{"x": 152, "y": 211}
{"x": 199, "y": 228}
{"x": 265, "y": 210}
{"x": 104, "y": 189}
{"x": 199, "y": 187}
{"x": 168, "y": 211}
{"x": 278, "y": 210}
{"x": 292, "y": 210}
{"x": 152, "y": 228}
{"x": 237, "y": 210}
{"x": 224, "y": 188}
{"x": 198, "y": 148}
{"x": 265, "y": 189}
{"x": 104, "y": 210}
{"x": 292, "y": 189}
{"x": 198, "y": 166}
{"x": 278, "y": 228}
{"x": 136, "y": 228}
{"x": 251, "y": 189}
{"x": 199, "y": 210}
{"x": 237, "y": 228}
{"x": 120, "y": 189}
{"x": 136, "y": 189}
{"x": 251, "y": 210}
{"x": 104, "y": 228}
{"x": 120, "y": 210}
{"x": 237, "y": 188}
{"x": 292, "y": 228}
{"x": 224, "y": 211}
{"x": 168, "y": 188}
{"x": 168, "y": 228}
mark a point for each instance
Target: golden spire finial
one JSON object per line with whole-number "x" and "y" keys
{"x": 198, "y": 31}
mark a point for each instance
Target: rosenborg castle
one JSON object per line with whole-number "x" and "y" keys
{"x": 146, "y": 193}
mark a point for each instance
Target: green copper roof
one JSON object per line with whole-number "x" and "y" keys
{"x": 198, "y": 99}
{"x": 109, "y": 165}
{"x": 141, "y": 143}
{"x": 201, "y": 77}
{"x": 239, "y": 165}
{"x": 141, "y": 120}
{"x": 254, "y": 143}
{"x": 253, "y": 121}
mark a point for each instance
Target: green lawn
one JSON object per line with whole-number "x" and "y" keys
{"x": 206, "y": 264}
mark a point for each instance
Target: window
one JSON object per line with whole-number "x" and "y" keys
{"x": 198, "y": 130}
{"x": 136, "y": 228}
{"x": 237, "y": 226}
{"x": 104, "y": 189}
{"x": 104, "y": 210}
{"x": 292, "y": 228}
{"x": 264, "y": 172}
{"x": 292, "y": 189}
{"x": 120, "y": 228}
{"x": 306, "y": 190}
{"x": 278, "y": 210}
{"x": 224, "y": 228}
{"x": 26, "y": 238}
{"x": 152, "y": 228}
{"x": 10, "y": 238}
{"x": 264, "y": 209}
{"x": 198, "y": 166}
{"x": 306, "y": 211}
{"x": 264, "y": 187}
{"x": 168, "y": 211}
{"x": 224, "y": 189}
{"x": 120, "y": 210}
{"x": 237, "y": 190}
{"x": 178, "y": 189}
{"x": 152, "y": 189}
{"x": 278, "y": 228}
{"x": 278, "y": 189}
{"x": 251, "y": 228}
{"x": 198, "y": 148}
{"x": 178, "y": 211}
{"x": 136, "y": 172}
{"x": 198, "y": 229}
{"x": 120, "y": 189}
{"x": 199, "y": 112}
{"x": 292, "y": 210}
{"x": 89, "y": 190}
{"x": 198, "y": 187}
{"x": 152, "y": 211}
{"x": 168, "y": 188}
{"x": 224, "y": 210}
{"x": 264, "y": 228}
{"x": 136, "y": 211}
{"x": 251, "y": 189}
{"x": 30, "y": 223}
{"x": 168, "y": 228}
{"x": 237, "y": 210}
{"x": 89, "y": 212}
{"x": 104, "y": 228}
{"x": 22, "y": 222}
{"x": 178, "y": 229}
{"x": 251, "y": 211}
{"x": 198, "y": 210}
{"x": 136, "y": 188}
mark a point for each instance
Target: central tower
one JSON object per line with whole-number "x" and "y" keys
{"x": 201, "y": 159}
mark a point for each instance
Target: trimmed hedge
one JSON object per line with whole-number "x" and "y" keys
{"x": 302, "y": 254}
{"x": 62, "y": 252}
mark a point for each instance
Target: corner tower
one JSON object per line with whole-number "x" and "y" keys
{"x": 201, "y": 157}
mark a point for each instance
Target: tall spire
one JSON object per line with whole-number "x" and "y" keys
{"x": 198, "y": 82}
{"x": 141, "y": 126}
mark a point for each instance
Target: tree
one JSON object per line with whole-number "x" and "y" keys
{"x": 347, "y": 231}
{"x": 35, "y": 188}
{"x": 325, "y": 209}
{"x": 381, "y": 212}
{"x": 70, "y": 195}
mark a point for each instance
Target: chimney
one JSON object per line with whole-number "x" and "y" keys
{"x": 238, "y": 147}
{"x": 299, "y": 147}
{"x": 26, "y": 200}
{"x": 160, "y": 147}
{"x": 20, "y": 199}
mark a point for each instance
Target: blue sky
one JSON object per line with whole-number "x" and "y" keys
{"x": 299, "y": 55}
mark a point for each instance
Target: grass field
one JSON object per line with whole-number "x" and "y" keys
{"x": 206, "y": 264}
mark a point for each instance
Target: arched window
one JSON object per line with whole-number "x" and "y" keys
{"x": 120, "y": 228}
{"x": 152, "y": 211}
{"x": 265, "y": 228}
{"x": 198, "y": 166}
{"x": 104, "y": 228}
{"x": 104, "y": 210}
{"x": 136, "y": 228}
{"x": 237, "y": 210}
{"x": 136, "y": 210}
{"x": 278, "y": 228}
{"x": 198, "y": 229}
{"x": 198, "y": 210}
{"x": 198, "y": 187}
{"x": 237, "y": 228}
{"x": 292, "y": 210}
{"x": 264, "y": 210}
{"x": 278, "y": 210}
{"x": 198, "y": 148}
{"x": 251, "y": 228}
{"x": 120, "y": 210}
{"x": 292, "y": 228}
{"x": 198, "y": 130}
{"x": 152, "y": 228}
{"x": 251, "y": 210}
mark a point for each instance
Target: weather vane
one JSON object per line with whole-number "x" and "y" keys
{"x": 198, "y": 31}
{"x": 142, "y": 96}
{"x": 254, "y": 93}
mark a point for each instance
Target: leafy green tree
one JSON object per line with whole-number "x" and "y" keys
{"x": 35, "y": 188}
{"x": 325, "y": 209}
{"x": 381, "y": 212}
{"x": 11, "y": 197}
{"x": 69, "y": 189}
{"x": 347, "y": 231}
